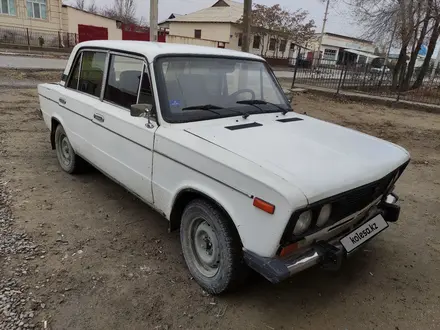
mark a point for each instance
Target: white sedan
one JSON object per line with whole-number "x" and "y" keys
{"x": 207, "y": 138}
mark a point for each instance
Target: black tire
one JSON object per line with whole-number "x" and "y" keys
{"x": 69, "y": 161}
{"x": 230, "y": 270}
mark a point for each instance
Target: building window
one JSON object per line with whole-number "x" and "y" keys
{"x": 36, "y": 8}
{"x": 256, "y": 43}
{"x": 7, "y": 7}
{"x": 329, "y": 54}
{"x": 198, "y": 34}
{"x": 272, "y": 43}
{"x": 240, "y": 39}
{"x": 283, "y": 44}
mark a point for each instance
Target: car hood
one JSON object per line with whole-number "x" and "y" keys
{"x": 319, "y": 158}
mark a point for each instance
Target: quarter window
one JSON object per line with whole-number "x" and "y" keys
{"x": 73, "y": 82}
{"x": 124, "y": 77}
{"x": 7, "y": 7}
{"x": 92, "y": 73}
{"x": 36, "y": 8}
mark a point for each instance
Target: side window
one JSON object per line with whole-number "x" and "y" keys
{"x": 73, "y": 82}
{"x": 92, "y": 73}
{"x": 146, "y": 92}
{"x": 123, "y": 80}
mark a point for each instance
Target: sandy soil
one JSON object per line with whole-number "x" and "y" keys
{"x": 14, "y": 75}
{"x": 109, "y": 262}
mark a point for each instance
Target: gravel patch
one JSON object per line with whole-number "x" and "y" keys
{"x": 17, "y": 304}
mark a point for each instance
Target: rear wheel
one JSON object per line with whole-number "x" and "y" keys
{"x": 212, "y": 248}
{"x": 68, "y": 160}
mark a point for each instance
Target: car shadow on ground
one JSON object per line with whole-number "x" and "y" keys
{"x": 297, "y": 289}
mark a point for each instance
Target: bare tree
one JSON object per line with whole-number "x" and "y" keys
{"x": 80, "y": 4}
{"x": 279, "y": 24}
{"x": 93, "y": 8}
{"x": 415, "y": 21}
{"x": 122, "y": 10}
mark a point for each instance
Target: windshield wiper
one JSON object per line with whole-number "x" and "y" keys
{"x": 262, "y": 102}
{"x": 211, "y": 107}
{"x": 206, "y": 107}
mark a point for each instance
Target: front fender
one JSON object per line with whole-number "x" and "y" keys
{"x": 260, "y": 232}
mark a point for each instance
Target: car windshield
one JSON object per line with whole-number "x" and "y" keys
{"x": 201, "y": 88}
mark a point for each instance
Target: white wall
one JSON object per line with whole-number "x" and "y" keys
{"x": 75, "y": 17}
{"x": 210, "y": 31}
{"x": 191, "y": 41}
{"x": 338, "y": 42}
{"x": 51, "y": 23}
{"x": 236, "y": 30}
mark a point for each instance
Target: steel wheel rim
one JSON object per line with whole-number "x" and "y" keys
{"x": 64, "y": 151}
{"x": 205, "y": 248}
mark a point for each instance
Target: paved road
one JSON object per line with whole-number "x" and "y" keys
{"x": 26, "y": 62}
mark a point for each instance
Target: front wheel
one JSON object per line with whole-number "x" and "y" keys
{"x": 212, "y": 248}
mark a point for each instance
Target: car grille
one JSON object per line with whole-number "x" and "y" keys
{"x": 343, "y": 205}
{"x": 356, "y": 200}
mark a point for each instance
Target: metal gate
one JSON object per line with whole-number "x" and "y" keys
{"x": 90, "y": 32}
{"x": 135, "y": 32}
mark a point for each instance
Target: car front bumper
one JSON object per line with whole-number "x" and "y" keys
{"x": 329, "y": 254}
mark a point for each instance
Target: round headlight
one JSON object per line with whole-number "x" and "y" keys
{"x": 324, "y": 215}
{"x": 303, "y": 223}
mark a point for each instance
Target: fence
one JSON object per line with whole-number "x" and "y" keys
{"x": 37, "y": 38}
{"x": 338, "y": 75}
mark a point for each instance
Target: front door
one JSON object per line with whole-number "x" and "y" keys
{"x": 124, "y": 143}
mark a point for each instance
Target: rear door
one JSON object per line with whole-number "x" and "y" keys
{"x": 124, "y": 143}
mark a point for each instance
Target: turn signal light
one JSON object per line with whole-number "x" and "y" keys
{"x": 263, "y": 205}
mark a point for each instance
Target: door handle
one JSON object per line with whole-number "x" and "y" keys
{"x": 98, "y": 117}
{"x": 62, "y": 101}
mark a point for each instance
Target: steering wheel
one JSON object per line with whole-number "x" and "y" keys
{"x": 233, "y": 96}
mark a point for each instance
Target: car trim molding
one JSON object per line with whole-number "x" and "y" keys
{"x": 62, "y": 106}
{"x": 124, "y": 137}
{"x": 157, "y": 152}
{"x": 204, "y": 174}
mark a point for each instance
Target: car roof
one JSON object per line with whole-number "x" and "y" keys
{"x": 153, "y": 49}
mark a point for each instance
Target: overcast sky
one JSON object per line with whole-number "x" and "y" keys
{"x": 337, "y": 21}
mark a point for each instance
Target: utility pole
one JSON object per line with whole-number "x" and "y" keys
{"x": 153, "y": 19}
{"x": 247, "y": 22}
{"x": 323, "y": 29}
{"x": 387, "y": 55}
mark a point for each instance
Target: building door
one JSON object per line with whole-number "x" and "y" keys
{"x": 90, "y": 32}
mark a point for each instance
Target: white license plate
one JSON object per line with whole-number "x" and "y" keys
{"x": 364, "y": 233}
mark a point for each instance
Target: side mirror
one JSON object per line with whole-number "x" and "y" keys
{"x": 139, "y": 110}
{"x": 142, "y": 110}
{"x": 289, "y": 95}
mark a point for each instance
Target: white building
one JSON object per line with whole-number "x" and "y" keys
{"x": 216, "y": 26}
{"x": 334, "y": 46}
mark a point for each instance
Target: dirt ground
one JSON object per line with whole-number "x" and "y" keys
{"x": 106, "y": 261}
